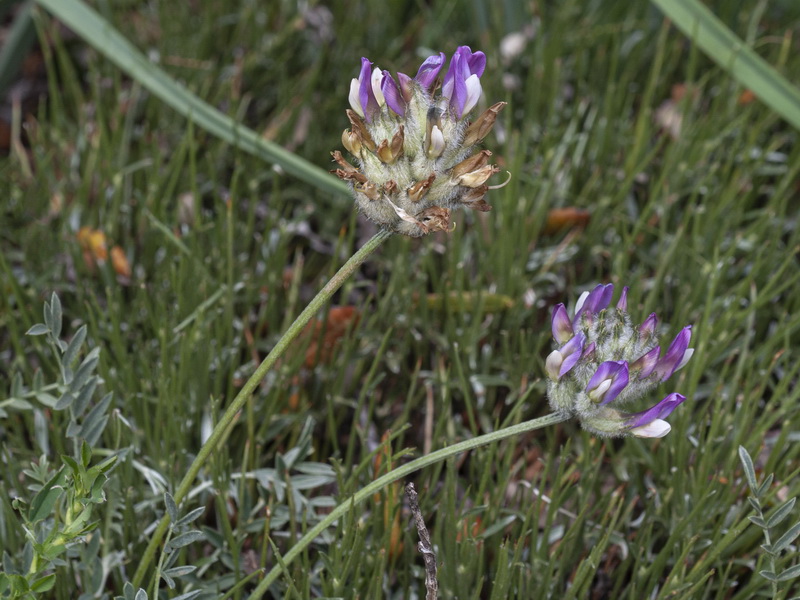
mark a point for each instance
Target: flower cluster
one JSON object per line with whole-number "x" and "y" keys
{"x": 603, "y": 361}
{"x": 413, "y": 145}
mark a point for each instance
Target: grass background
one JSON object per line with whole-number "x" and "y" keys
{"x": 225, "y": 250}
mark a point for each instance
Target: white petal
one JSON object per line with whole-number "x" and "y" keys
{"x": 654, "y": 429}
{"x": 377, "y": 78}
{"x": 354, "y": 102}
{"x": 581, "y": 300}
{"x": 597, "y": 393}
{"x": 686, "y": 356}
{"x": 473, "y": 83}
{"x": 437, "y": 142}
{"x": 553, "y": 364}
{"x": 447, "y": 89}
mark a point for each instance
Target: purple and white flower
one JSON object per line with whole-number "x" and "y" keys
{"x": 603, "y": 362}
{"x": 415, "y": 156}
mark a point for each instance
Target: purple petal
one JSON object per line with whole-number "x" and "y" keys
{"x": 622, "y": 303}
{"x": 669, "y": 364}
{"x": 588, "y": 350}
{"x": 477, "y": 62}
{"x": 648, "y": 328}
{"x": 366, "y": 97}
{"x": 455, "y": 87}
{"x": 463, "y": 65}
{"x": 597, "y": 300}
{"x": 429, "y": 70}
{"x": 645, "y": 364}
{"x": 660, "y": 411}
{"x": 562, "y": 328}
{"x": 571, "y": 351}
{"x": 391, "y": 93}
{"x": 615, "y": 372}
{"x": 406, "y": 86}
{"x": 600, "y": 298}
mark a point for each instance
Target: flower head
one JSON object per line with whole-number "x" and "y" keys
{"x": 604, "y": 362}
{"x": 414, "y": 149}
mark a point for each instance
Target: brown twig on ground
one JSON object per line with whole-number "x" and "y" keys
{"x": 424, "y": 546}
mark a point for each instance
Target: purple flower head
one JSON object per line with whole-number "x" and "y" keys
{"x": 677, "y": 355}
{"x": 608, "y": 381}
{"x": 462, "y": 84}
{"x": 561, "y": 325}
{"x": 392, "y": 95}
{"x": 429, "y": 70}
{"x": 363, "y": 97}
{"x": 619, "y": 363}
{"x": 650, "y": 423}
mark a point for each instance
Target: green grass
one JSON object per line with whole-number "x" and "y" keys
{"x": 704, "y": 228}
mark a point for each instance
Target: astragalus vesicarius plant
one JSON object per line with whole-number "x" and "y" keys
{"x": 414, "y": 148}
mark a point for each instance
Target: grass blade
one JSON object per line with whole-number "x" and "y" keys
{"x": 100, "y": 34}
{"x": 732, "y": 54}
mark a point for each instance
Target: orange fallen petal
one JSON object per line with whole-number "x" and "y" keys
{"x": 120, "y": 262}
{"x": 561, "y": 218}
{"x": 320, "y": 349}
{"x": 746, "y": 97}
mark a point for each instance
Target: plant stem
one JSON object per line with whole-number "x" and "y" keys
{"x": 350, "y": 267}
{"x": 391, "y": 477}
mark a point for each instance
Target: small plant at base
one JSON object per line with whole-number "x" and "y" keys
{"x": 767, "y": 523}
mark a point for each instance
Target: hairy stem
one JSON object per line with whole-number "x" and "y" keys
{"x": 391, "y": 477}
{"x": 350, "y": 267}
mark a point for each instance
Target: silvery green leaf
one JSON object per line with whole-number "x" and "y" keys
{"x": 765, "y": 485}
{"x": 769, "y": 575}
{"x": 84, "y": 396}
{"x": 781, "y": 513}
{"x": 47, "y": 399}
{"x": 65, "y": 401}
{"x": 16, "y": 386}
{"x": 185, "y": 539}
{"x": 190, "y": 516}
{"x": 188, "y": 595}
{"x": 786, "y": 539}
{"x": 38, "y": 329}
{"x": 789, "y": 573}
{"x": 180, "y": 571}
{"x": 758, "y": 521}
{"x": 91, "y": 431}
{"x": 172, "y": 508}
{"x": 315, "y": 468}
{"x": 308, "y": 482}
{"x": 83, "y": 373}
{"x": 55, "y": 315}
{"x": 71, "y": 353}
{"x": 17, "y": 404}
{"x": 169, "y": 580}
{"x": 749, "y": 469}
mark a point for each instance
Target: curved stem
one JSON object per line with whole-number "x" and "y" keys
{"x": 393, "y": 476}
{"x": 350, "y": 267}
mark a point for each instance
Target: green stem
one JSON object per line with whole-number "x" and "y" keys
{"x": 393, "y": 476}
{"x": 350, "y": 267}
